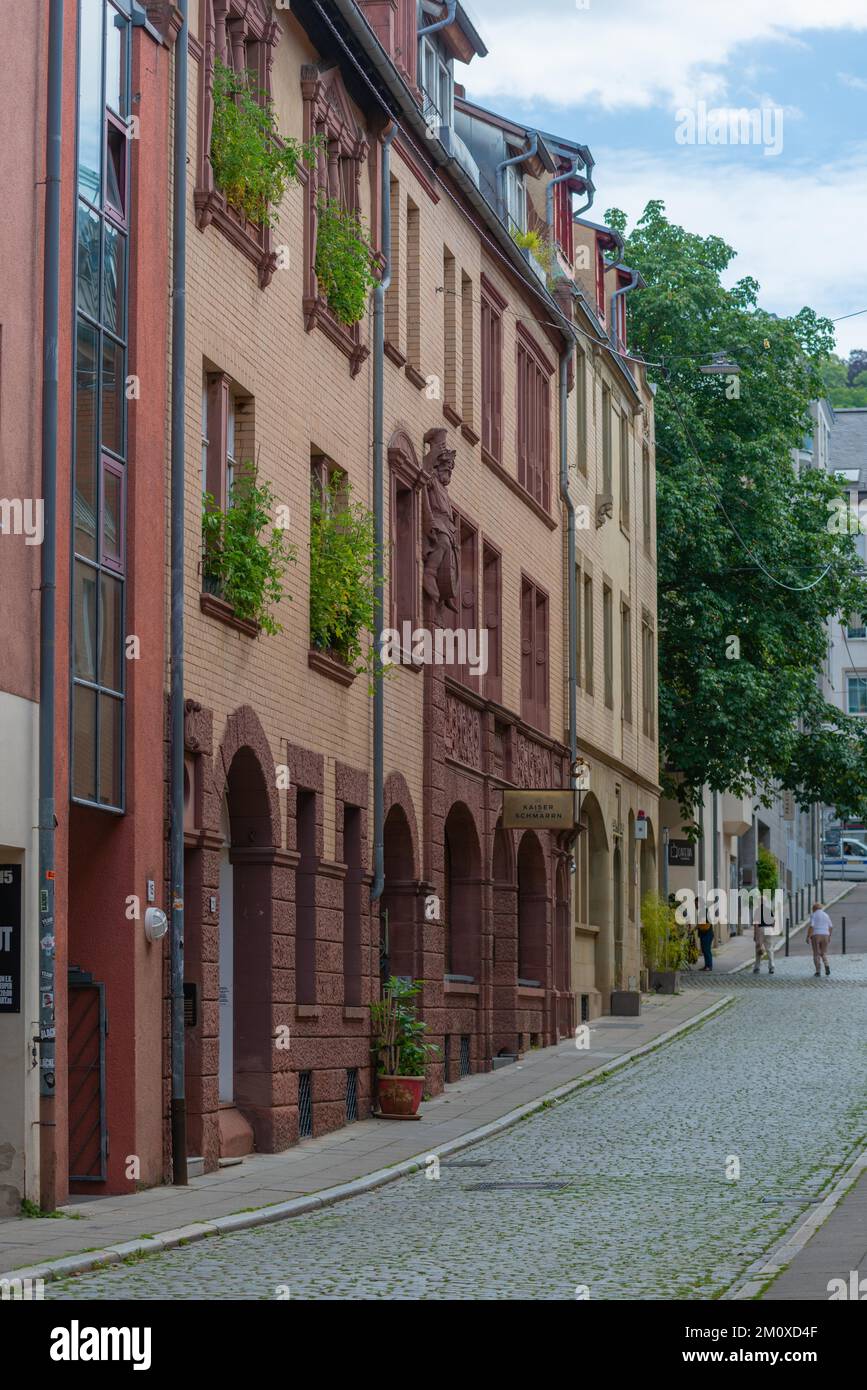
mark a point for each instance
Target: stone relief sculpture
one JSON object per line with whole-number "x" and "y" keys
{"x": 440, "y": 582}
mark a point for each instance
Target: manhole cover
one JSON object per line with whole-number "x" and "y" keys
{"x": 507, "y": 1186}
{"x": 466, "y": 1162}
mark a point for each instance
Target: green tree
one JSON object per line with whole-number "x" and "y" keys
{"x": 738, "y": 652}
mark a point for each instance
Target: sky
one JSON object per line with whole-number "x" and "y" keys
{"x": 629, "y": 77}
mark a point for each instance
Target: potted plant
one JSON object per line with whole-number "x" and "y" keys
{"x": 399, "y": 1048}
{"x": 663, "y": 943}
{"x": 342, "y": 554}
{"x": 238, "y": 564}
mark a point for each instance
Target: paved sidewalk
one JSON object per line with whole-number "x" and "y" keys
{"x": 837, "y": 1250}
{"x": 268, "y": 1187}
{"x": 738, "y": 952}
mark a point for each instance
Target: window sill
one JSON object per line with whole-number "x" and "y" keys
{"x": 318, "y": 315}
{"x": 355, "y": 1011}
{"x": 306, "y": 1011}
{"x": 415, "y": 376}
{"x": 470, "y": 434}
{"x": 452, "y": 415}
{"x": 330, "y": 666}
{"x": 218, "y": 608}
{"x": 460, "y": 987}
{"x": 394, "y": 354}
{"x": 252, "y": 242}
{"x": 514, "y": 486}
{"x": 531, "y": 991}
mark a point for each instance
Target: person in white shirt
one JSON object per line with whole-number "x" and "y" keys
{"x": 819, "y": 937}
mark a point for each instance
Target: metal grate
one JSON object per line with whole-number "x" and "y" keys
{"x": 465, "y": 1055}
{"x": 585, "y": 1008}
{"x": 351, "y": 1095}
{"x": 305, "y": 1105}
{"x": 446, "y": 1057}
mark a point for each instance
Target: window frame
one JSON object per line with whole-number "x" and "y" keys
{"x": 536, "y": 705}
{"x": 493, "y": 307}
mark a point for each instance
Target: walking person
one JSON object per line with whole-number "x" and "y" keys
{"x": 705, "y": 940}
{"x": 764, "y": 924}
{"x": 819, "y": 937}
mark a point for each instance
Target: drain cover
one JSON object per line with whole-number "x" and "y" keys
{"x": 467, "y": 1162}
{"x": 506, "y": 1186}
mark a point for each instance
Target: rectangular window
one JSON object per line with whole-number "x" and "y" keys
{"x": 626, "y": 662}
{"x": 588, "y": 634}
{"x": 352, "y": 907}
{"x": 856, "y": 694}
{"x": 100, "y": 407}
{"x": 413, "y": 285}
{"x": 404, "y": 571}
{"x": 606, "y": 442}
{"x": 468, "y": 357}
{"x": 578, "y": 601}
{"x": 600, "y": 283}
{"x": 608, "y": 645}
{"x": 467, "y": 618}
{"x": 492, "y": 373}
{"x": 648, "y": 676}
{"x": 451, "y": 365}
{"x": 516, "y": 199}
{"x": 646, "y": 497}
{"x": 393, "y": 293}
{"x": 305, "y": 897}
{"x": 437, "y": 86}
{"x": 624, "y": 472}
{"x": 581, "y": 410}
{"x": 534, "y": 655}
{"x": 855, "y": 627}
{"x": 534, "y": 427}
{"x": 491, "y": 620}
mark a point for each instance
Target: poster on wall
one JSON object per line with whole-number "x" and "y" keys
{"x": 10, "y": 938}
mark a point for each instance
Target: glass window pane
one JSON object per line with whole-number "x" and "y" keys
{"x": 85, "y": 621}
{"x": 115, "y": 169}
{"x": 86, "y": 484}
{"x": 84, "y": 742}
{"x": 112, "y": 396}
{"x": 87, "y": 284}
{"x": 111, "y": 632}
{"x": 110, "y": 712}
{"x": 112, "y": 517}
{"x": 114, "y": 271}
{"x": 115, "y": 60}
{"x": 90, "y": 108}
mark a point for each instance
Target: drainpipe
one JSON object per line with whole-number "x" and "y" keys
{"x": 589, "y": 185}
{"x": 176, "y": 833}
{"x": 47, "y": 596}
{"x": 440, "y": 23}
{"x": 501, "y": 171}
{"x": 379, "y": 521}
{"x": 585, "y": 159}
{"x": 624, "y": 289}
{"x": 570, "y": 533}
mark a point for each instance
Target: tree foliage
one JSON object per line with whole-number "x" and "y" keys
{"x": 739, "y": 654}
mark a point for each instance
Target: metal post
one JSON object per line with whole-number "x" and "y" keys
{"x": 844, "y": 936}
{"x": 788, "y": 918}
{"x": 665, "y": 862}
{"x": 179, "y": 1103}
{"x": 47, "y": 595}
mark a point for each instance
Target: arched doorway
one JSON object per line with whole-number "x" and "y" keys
{"x": 563, "y": 952}
{"x": 226, "y": 1065}
{"x": 504, "y": 946}
{"x": 462, "y": 909}
{"x": 532, "y": 913}
{"x": 617, "y": 918}
{"x": 647, "y": 864}
{"x": 593, "y": 946}
{"x": 398, "y": 949}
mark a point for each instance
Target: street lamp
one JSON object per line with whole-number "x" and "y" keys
{"x": 720, "y": 365}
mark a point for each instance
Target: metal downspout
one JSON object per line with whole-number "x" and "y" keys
{"x": 585, "y": 159}
{"x": 439, "y": 23}
{"x": 571, "y": 557}
{"x": 500, "y": 174}
{"x": 179, "y": 255}
{"x": 624, "y": 289}
{"x": 47, "y": 604}
{"x": 379, "y": 522}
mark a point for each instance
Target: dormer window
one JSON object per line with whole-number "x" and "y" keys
{"x": 516, "y": 199}
{"x": 437, "y": 84}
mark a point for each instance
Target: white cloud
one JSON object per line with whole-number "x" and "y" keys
{"x": 848, "y": 80}
{"x": 788, "y": 226}
{"x": 635, "y": 53}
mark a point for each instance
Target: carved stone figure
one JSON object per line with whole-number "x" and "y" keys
{"x": 440, "y": 582}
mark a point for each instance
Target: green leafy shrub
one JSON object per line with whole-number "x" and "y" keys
{"x": 252, "y": 163}
{"x": 244, "y": 569}
{"x": 538, "y": 246}
{"x": 767, "y": 873}
{"x": 399, "y": 1047}
{"x": 342, "y": 553}
{"x": 344, "y": 261}
{"x": 664, "y": 943}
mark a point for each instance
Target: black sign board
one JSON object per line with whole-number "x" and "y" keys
{"x": 682, "y": 853}
{"x": 10, "y": 938}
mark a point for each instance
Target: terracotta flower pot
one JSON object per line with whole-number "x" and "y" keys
{"x": 400, "y": 1095}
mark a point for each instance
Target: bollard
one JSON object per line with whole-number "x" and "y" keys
{"x": 844, "y": 936}
{"x": 787, "y": 935}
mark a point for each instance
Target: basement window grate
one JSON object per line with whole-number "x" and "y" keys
{"x": 351, "y": 1095}
{"x": 465, "y": 1055}
{"x": 305, "y": 1105}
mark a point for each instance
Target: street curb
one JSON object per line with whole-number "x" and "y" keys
{"x": 748, "y": 964}
{"x": 85, "y": 1262}
{"x": 770, "y": 1265}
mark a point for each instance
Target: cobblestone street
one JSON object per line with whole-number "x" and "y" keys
{"x": 622, "y": 1188}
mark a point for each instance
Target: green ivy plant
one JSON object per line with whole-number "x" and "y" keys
{"x": 399, "y": 1047}
{"x": 766, "y": 871}
{"x": 538, "y": 246}
{"x": 345, "y": 265}
{"x": 252, "y": 162}
{"x": 237, "y": 562}
{"x": 342, "y": 553}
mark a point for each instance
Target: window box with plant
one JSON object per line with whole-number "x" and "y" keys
{"x": 342, "y": 551}
{"x": 239, "y": 564}
{"x": 346, "y": 267}
{"x": 400, "y": 1049}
